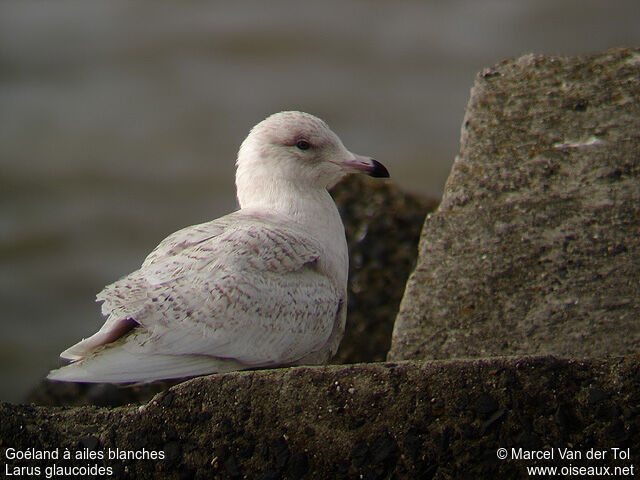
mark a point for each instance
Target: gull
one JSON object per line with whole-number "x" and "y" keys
{"x": 264, "y": 286}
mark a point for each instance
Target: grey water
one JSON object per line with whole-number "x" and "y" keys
{"x": 120, "y": 121}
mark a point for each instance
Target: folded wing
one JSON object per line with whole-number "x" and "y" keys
{"x": 239, "y": 292}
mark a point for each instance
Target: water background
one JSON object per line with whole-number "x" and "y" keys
{"x": 120, "y": 121}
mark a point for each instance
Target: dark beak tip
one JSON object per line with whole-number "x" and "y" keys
{"x": 379, "y": 170}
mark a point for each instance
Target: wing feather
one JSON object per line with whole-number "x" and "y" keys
{"x": 244, "y": 287}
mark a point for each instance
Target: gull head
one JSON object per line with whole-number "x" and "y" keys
{"x": 295, "y": 150}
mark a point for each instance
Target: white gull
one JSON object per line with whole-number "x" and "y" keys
{"x": 263, "y": 286}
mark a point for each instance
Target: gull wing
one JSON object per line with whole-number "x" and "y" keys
{"x": 243, "y": 289}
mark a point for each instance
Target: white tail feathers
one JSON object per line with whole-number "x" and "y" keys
{"x": 140, "y": 368}
{"x": 125, "y": 362}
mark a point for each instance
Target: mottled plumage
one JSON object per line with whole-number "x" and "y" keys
{"x": 263, "y": 286}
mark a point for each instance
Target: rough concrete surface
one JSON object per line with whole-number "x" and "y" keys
{"x": 441, "y": 420}
{"x": 535, "y": 248}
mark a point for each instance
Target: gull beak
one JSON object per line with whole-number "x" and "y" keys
{"x": 360, "y": 164}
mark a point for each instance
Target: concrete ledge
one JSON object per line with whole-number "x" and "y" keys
{"x": 402, "y": 420}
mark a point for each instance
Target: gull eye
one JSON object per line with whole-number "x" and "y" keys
{"x": 303, "y": 145}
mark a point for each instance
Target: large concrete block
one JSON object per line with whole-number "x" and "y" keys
{"x": 535, "y": 248}
{"x": 413, "y": 420}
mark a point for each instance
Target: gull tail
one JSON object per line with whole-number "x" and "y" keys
{"x": 115, "y": 363}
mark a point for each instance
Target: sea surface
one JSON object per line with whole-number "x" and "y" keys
{"x": 120, "y": 121}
